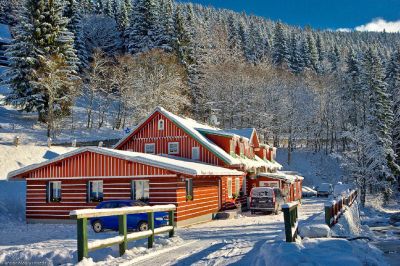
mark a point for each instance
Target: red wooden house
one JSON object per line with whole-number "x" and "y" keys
{"x": 165, "y": 133}
{"x": 85, "y": 176}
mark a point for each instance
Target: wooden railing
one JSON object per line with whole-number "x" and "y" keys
{"x": 81, "y": 216}
{"x": 290, "y": 216}
{"x": 335, "y": 208}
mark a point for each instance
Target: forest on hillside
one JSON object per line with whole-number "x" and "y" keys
{"x": 337, "y": 92}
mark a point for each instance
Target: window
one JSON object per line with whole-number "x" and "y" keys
{"x": 140, "y": 190}
{"x": 95, "y": 191}
{"x": 189, "y": 188}
{"x": 173, "y": 147}
{"x": 54, "y": 191}
{"x": 229, "y": 185}
{"x": 161, "y": 124}
{"x": 237, "y": 186}
{"x": 196, "y": 153}
{"x": 150, "y": 148}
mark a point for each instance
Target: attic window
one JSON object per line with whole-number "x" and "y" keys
{"x": 161, "y": 124}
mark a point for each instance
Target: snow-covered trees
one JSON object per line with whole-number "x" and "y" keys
{"x": 280, "y": 50}
{"x": 41, "y": 32}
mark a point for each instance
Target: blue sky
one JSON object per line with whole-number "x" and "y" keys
{"x": 322, "y": 14}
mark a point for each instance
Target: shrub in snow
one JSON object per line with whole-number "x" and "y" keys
{"x": 315, "y": 230}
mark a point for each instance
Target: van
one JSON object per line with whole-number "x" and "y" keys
{"x": 266, "y": 199}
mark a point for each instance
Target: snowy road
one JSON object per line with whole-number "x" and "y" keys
{"x": 222, "y": 242}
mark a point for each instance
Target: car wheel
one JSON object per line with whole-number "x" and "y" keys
{"x": 97, "y": 227}
{"x": 143, "y": 226}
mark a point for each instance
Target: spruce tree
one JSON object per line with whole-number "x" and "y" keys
{"x": 280, "y": 49}
{"x": 380, "y": 121}
{"x": 42, "y": 32}
{"x": 73, "y": 13}
{"x": 312, "y": 52}
{"x": 295, "y": 64}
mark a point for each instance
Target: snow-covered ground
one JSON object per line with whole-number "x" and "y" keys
{"x": 247, "y": 240}
{"x": 316, "y": 168}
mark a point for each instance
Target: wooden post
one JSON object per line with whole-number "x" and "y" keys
{"x": 16, "y": 141}
{"x": 150, "y": 220}
{"x": 171, "y": 222}
{"x": 82, "y": 239}
{"x": 328, "y": 214}
{"x": 290, "y": 218}
{"x": 122, "y": 229}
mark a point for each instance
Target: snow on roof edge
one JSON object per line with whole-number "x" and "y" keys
{"x": 191, "y": 168}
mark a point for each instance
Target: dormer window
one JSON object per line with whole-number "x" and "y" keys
{"x": 161, "y": 124}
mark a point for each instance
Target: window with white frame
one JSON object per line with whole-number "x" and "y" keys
{"x": 173, "y": 147}
{"x": 237, "y": 186}
{"x": 150, "y": 148}
{"x": 189, "y": 188}
{"x": 161, "y": 124}
{"x": 54, "y": 191}
{"x": 140, "y": 190}
{"x": 229, "y": 187}
{"x": 195, "y": 153}
{"x": 95, "y": 191}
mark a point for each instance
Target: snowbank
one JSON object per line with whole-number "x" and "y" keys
{"x": 319, "y": 252}
{"x": 315, "y": 230}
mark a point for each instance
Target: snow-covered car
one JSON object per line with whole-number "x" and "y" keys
{"x": 308, "y": 192}
{"x": 341, "y": 189}
{"x": 324, "y": 190}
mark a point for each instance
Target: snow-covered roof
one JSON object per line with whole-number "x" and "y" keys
{"x": 180, "y": 166}
{"x": 243, "y": 132}
{"x": 194, "y": 129}
{"x": 289, "y": 178}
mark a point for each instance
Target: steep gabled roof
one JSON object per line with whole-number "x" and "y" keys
{"x": 195, "y": 129}
{"x": 175, "y": 165}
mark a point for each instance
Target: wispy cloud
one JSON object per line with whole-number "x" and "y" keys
{"x": 379, "y": 24}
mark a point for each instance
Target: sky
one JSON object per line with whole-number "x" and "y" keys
{"x": 363, "y": 15}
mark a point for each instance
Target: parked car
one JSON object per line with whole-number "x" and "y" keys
{"x": 341, "y": 189}
{"x": 266, "y": 199}
{"x": 137, "y": 221}
{"x": 324, "y": 190}
{"x": 308, "y": 192}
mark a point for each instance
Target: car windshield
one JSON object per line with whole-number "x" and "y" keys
{"x": 262, "y": 192}
{"x": 324, "y": 187}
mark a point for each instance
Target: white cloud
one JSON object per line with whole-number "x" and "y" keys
{"x": 379, "y": 24}
{"x": 344, "y": 29}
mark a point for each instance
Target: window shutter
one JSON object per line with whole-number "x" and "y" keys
{"x": 48, "y": 192}
{"x": 133, "y": 190}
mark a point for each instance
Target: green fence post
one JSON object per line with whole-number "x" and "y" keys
{"x": 150, "y": 220}
{"x": 288, "y": 224}
{"x": 328, "y": 215}
{"x": 122, "y": 229}
{"x": 82, "y": 238}
{"x": 171, "y": 217}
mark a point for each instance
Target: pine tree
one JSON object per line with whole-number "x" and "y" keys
{"x": 166, "y": 38}
{"x": 41, "y": 33}
{"x": 295, "y": 64}
{"x": 380, "y": 120}
{"x": 334, "y": 59}
{"x": 280, "y": 49}
{"x": 184, "y": 47}
{"x": 312, "y": 53}
{"x": 73, "y": 13}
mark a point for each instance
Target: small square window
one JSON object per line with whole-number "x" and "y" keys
{"x": 150, "y": 148}
{"x": 95, "y": 191}
{"x": 196, "y": 153}
{"x": 173, "y": 147}
{"x": 54, "y": 191}
{"x": 161, "y": 124}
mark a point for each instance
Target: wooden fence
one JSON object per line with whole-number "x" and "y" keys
{"x": 81, "y": 216}
{"x": 290, "y": 216}
{"x": 335, "y": 208}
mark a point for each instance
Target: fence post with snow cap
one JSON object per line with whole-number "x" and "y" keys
{"x": 82, "y": 216}
{"x": 290, "y": 216}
